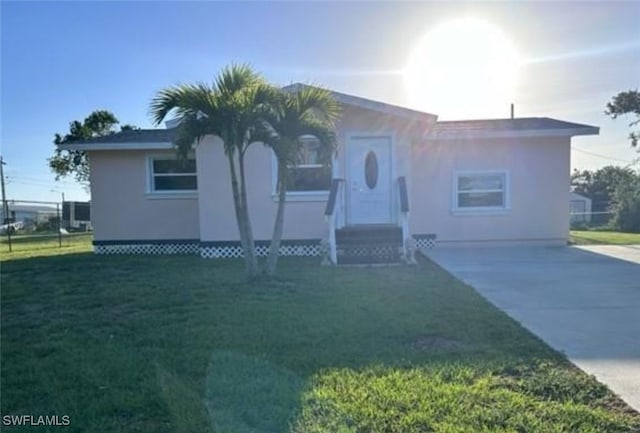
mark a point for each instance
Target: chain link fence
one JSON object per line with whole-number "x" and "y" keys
{"x": 47, "y": 222}
{"x": 590, "y": 220}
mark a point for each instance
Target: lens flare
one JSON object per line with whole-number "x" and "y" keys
{"x": 463, "y": 68}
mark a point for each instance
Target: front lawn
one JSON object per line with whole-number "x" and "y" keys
{"x": 590, "y": 237}
{"x": 34, "y": 245}
{"x": 182, "y": 344}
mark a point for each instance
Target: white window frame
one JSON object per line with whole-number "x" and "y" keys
{"x": 181, "y": 193}
{"x": 321, "y": 196}
{"x": 465, "y": 210}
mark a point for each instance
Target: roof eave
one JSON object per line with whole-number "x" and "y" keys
{"x": 475, "y": 134}
{"x": 117, "y": 146}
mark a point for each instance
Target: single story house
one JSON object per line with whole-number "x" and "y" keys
{"x": 400, "y": 179}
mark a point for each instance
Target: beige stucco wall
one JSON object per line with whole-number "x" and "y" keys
{"x": 538, "y": 169}
{"x": 303, "y": 219}
{"x": 123, "y": 210}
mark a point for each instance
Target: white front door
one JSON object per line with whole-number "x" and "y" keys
{"x": 369, "y": 180}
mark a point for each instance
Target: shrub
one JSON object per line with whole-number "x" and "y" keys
{"x": 627, "y": 207}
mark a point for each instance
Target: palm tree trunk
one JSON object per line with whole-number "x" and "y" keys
{"x": 241, "y": 218}
{"x": 278, "y": 225}
{"x": 249, "y": 253}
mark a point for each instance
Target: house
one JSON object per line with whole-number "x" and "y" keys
{"x": 400, "y": 180}
{"x": 579, "y": 208}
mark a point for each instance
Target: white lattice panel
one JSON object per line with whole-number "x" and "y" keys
{"x": 426, "y": 243}
{"x": 146, "y": 249}
{"x": 233, "y": 251}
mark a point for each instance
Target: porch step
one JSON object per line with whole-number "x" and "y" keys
{"x": 369, "y": 244}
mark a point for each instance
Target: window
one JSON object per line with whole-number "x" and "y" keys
{"x": 481, "y": 191}
{"x": 171, "y": 175}
{"x": 310, "y": 174}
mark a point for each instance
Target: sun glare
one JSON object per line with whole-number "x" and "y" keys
{"x": 465, "y": 68}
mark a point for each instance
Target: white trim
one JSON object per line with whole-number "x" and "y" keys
{"x": 349, "y": 136}
{"x": 483, "y": 133}
{"x": 150, "y": 193}
{"x": 481, "y": 210}
{"x": 118, "y": 146}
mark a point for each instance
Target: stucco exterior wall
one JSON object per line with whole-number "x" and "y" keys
{"x": 303, "y": 219}
{"x": 538, "y": 171}
{"x": 304, "y": 215}
{"x": 123, "y": 210}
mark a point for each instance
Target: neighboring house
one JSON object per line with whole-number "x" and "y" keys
{"x": 579, "y": 208}
{"x": 76, "y": 215}
{"x": 399, "y": 176}
{"x": 32, "y": 214}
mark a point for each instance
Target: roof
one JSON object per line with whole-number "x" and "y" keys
{"x": 517, "y": 127}
{"x": 370, "y": 104}
{"x": 130, "y": 139}
{"x": 137, "y": 136}
{"x": 149, "y": 139}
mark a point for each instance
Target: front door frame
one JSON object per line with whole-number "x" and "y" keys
{"x": 392, "y": 171}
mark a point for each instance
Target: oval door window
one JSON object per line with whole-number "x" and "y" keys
{"x": 371, "y": 169}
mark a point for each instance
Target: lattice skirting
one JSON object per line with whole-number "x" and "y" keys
{"x": 425, "y": 241}
{"x": 209, "y": 250}
{"x": 150, "y": 248}
{"x": 216, "y": 250}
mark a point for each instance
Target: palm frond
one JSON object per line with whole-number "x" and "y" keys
{"x": 235, "y": 78}
{"x": 317, "y": 102}
{"x": 184, "y": 100}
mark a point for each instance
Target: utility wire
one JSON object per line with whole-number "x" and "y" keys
{"x": 599, "y": 155}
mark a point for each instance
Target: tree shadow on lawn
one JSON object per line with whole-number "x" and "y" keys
{"x": 182, "y": 344}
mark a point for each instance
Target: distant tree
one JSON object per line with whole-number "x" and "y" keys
{"x": 600, "y": 185}
{"x": 626, "y": 103}
{"x": 627, "y": 206}
{"x": 615, "y": 189}
{"x": 74, "y": 162}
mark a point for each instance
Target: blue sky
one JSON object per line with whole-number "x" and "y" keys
{"x": 62, "y": 60}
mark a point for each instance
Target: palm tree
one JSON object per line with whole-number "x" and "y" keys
{"x": 231, "y": 108}
{"x": 310, "y": 111}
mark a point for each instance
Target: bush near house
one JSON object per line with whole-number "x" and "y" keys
{"x": 627, "y": 207}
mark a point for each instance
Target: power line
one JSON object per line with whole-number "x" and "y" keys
{"x": 38, "y": 180}
{"x": 41, "y": 185}
{"x": 599, "y": 155}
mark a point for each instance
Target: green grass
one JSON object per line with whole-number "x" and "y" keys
{"x": 182, "y": 344}
{"x": 37, "y": 245}
{"x": 590, "y": 237}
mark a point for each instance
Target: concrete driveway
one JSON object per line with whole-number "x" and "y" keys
{"x": 583, "y": 301}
